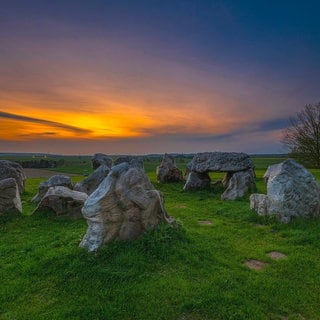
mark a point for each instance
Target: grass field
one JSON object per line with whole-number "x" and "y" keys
{"x": 194, "y": 272}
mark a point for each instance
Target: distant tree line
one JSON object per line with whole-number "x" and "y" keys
{"x": 42, "y": 163}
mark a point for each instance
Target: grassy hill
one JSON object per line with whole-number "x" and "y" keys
{"x": 195, "y": 272}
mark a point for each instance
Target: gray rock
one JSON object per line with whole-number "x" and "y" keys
{"x": 63, "y": 201}
{"x": 54, "y": 181}
{"x": 271, "y": 172}
{"x": 9, "y": 196}
{"x": 292, "y": 191}
{"x": 92, "y": 182}
{"x": 197, "y": 180}
{"x": 221, "y": 162}
{"x": 9, "y": 169}
{"x": 124, "y": 206}
{"x": 168, "y": 170}
{"x": 133, "y": 161}
{"x": 99, "y": 159}
{"x": 239, "y": 184}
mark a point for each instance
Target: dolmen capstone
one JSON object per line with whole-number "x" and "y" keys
{"x": 9, "y": 169}
{"x": 239, "y": 168}
{"x": 123, "y": 206}
{"x": 63, "y": 201}
{"x": 10, "y": 200}
{"x": 54, "y": 181}
{"x": 292, "y": 191}
{"x": 168, "y": 171}
{"x": 92, "y": 182}
{"x": 101, "y": 159}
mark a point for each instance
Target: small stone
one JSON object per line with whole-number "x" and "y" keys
{"x": 275, "y": 255}
{"x": 205, "y": 222}
{"x": 255, "y": 264}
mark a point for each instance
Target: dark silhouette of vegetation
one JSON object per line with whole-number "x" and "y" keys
{"x": 302, "y": 137}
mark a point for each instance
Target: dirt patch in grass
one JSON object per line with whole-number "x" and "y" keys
{"x": 255, "y": 264}
{"x": 275, "y": 255}
{"x": 205, "y": 223}
{"x": 41, "y": 173}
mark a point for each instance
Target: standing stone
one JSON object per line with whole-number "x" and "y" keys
{"x": 63, "y": 201}
{"x": 292, "y": 191}
{"x": 92, "y": 182}
{"x": 9, "y": 196}
{"x": 197, "y": 180}
{"x": 9, "y": 169}
{"x": 239, "y": 184}
{"x": 168, "y": 170}
{"x": 54, "y": 181}
{"x": 124, "y": 206}
{"x": 100, "y": 159}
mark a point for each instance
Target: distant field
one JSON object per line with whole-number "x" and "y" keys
{"x": 195, "y": 272}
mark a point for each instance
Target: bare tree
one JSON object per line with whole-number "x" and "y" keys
{"x": 302, "y": 137}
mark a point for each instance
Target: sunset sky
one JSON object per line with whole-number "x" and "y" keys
{"x": 154, "y": 76}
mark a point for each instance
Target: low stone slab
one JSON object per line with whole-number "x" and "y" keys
{"x": 9, "y": 196}
{"x": 221, "y": 162}
{"x": 255, "y": 264}
{"x": 123, "y": 207}
{"x": 54, "y": 181}
{"x": 63, "y": 201}
{"x": 9, "y": 169}
{"x": 275, "y": 255}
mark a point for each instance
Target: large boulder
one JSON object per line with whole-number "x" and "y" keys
{"x": 238, "y": 184}
{"x": 168, "y": 170}
{"x": 292, "y": 191}
{"x": 54, "y": 181}
{"x": 197, "y": 180}
{"x": 271, "y": 172}
{"x": 221, "y": 162}
{"x": 100, "y": 159}
{"x": 133, "y": 161}
{"x": 124, "y": 206}
{"x": 63, "y": 201}
{"x": 9, "y": 196}
{"x": 9, "y": 169}
{"x": 92, "y": 182}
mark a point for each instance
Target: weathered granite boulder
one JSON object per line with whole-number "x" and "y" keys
{"x": 9, "y": 196}
{"x": 54, "y": 181}
{"x": 238, "y": 184}
{"x": 124, "y": 206}
{"x": 291, "y": 191}
{"x": 168, "y": 170}
{"x": 99, "y": 159}
{"x": 197, "y": 180}
{"x": 92, "y": 182}
{"x": 271, "y": 172}
{"x": 221, "y": 162}
{"x": 133, "y": 161}
{"x": 9, "y": 169}
{"x": 63, "y": 201}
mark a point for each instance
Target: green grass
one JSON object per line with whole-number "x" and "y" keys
{"x": 194, "y": 272}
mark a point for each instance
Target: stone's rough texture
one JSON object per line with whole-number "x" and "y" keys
{"x": 9, "y": 196}
{"x": 91, "y": 183}
{"x": 63, "y": 201}
{"x": 54, "y": 181}
{"x": 99, "y": 159}
{"x": 197, "y": 181}
{"x": 188, "y": 170}
{"x": 124, "y": 206}
{"x": 221, "y": 162}
{"x": 238, "y": 166}
{"x": 238, "y": 184}
{"x": 271, "y": 172}
{"x": 168, "y": 170}
{"x": 255, "y": 264}
{"x": 131, "y": 160}
{"x": 291, "y": 191}
{"x": 9, "y": 169}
